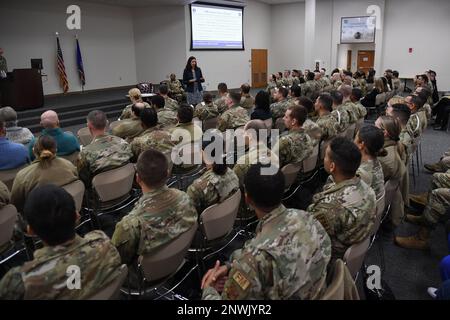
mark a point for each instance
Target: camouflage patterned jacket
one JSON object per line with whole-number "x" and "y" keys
{"x": 346, "y": 211}
{"x": 126, "y": 113}
{"x": 352, "y": 111}
{"x": 175, "y": 87}
{"x": 167, "y": 118}
{"x": 205, "y": 111}
{"x": 293, "y": 147}
{"x": 342, "y": 118}
{"x": 60, "y": 172}
{"x": 4, "y": 195}
{"x": 407, "y": 140}
{"x": 186, "y": 133}
{"x": 308, "y": 88}
{"x": 233, "y": 118}
{"x": 278, "y": 109}
{"x": 3, "y": 64}
{"x": 152, "y": 138}
{"x": 171, "y": 104}
{"x": 287, "y": 259}
{"x": 104, "y": 153}
{"x": 328, "y": 125}
{"x": 362, "y": 84}
{"x": 157, "y": 218}
{"x": 360, "y": 110}
{"x": 19, "y": 135}
{"x": 128, "y": 128}
{"x": 45, "y": 277}
{"x": 371, "y": 173}
{"x": 212, "y": 188}
{"x": 417, "y": 123}
{"x": 221, "y": 103}
{"x": 247, "y": 101}
{"x": 313, "y": 130}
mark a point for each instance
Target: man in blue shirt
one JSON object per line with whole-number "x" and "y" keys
{"x": 66, "y": 143}
{"x": 12, "y": 155}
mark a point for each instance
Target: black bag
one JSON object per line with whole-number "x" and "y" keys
{"x": 385, "y": 293}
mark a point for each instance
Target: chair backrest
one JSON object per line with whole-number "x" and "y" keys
{"x": 84, "y": 136}
{"x": 114, "y": 124}
{"x": 290, "y": 172}
{"x": 310, "y": 163}
{"x": 113, "y": 184}
{"x": 210, "y": 123}
{"x": 379, "y": 214}
{"x": 8, "y": 218}
{"x": 8, "y": 176}
{"x": 336, "y": 289}
{"x": 165, "y": 261}
{"x": 354, "y": 256}
{"x": 390, "y": 187}
{"x": 187, "y": 154}
{"x": 71, "y": 157}
{"x": 268, "y": 123}
{"x": 279, "y": 124}
{"x": 323, "y": 147}
{"x": 380, "y": 99}
{"x": 350, "y": 131}
{"x": 112, "y": 290}
{"x": 218, "y": 219}
{"x": 359, "y": 124}
{"x": 76, "y": 190}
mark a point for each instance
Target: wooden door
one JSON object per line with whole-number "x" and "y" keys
{"x": 349, "y": 60}
{"x": 366, "y": 60}
{"x": 259, "y": 68}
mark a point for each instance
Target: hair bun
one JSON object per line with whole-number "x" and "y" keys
{"x": 46, "y": 154}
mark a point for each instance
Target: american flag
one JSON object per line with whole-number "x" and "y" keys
{"x": 61, "y": 68}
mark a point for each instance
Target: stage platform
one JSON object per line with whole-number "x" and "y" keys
{"x": 72, "y": 109}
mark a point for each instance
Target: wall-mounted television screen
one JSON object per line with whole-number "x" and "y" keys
{"x": 358, "y": 29}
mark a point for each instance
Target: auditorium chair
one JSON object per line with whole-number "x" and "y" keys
{"x": 84, "y": 136}
{"x": 8, "y": 219}
{"x": 73, "y": 157}
{"x": 112, "y": 290}
{"x": 210, "y": 123}
{"x": 380, "y": 206}
{"x": 8, "y": 176}
{"x": 354, "y": 256}
{"x": 335, "y": 290}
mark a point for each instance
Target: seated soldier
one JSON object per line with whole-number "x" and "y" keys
{"x": 170, "y": 104}
{"x": 152, "y": 137}
{"x": 442, "y": 165}
{"x": 14, "y": 133}
{"x": 218, "y": 183}
{"x": 47, "y": 168}
{"x": 135, "y": 97}
{"x": 13, "y": 155}
{"x": 287, "y": 258}
{"x": 279, "y": 107}
{"x": 311, "y": 128}
{"x": 356, "y": 97}
{"x": 176, "y": 88}
{"x": 166, "y": 118}
{"x": 159, "y": 216}
{"x": 347, "y": 104}
{"x": 339, "y": 113}
{"x": 247, "y": 101}
{"x": 51, "y": 215}
{"x": 327, "y": 123}
{"x": 221, "y": 102}
{"x": 130, "y": 128}
{"x": 66, "y": 142}
{"x": 417, "y": 123}
{"x": 346, "y": 206}
{"x": 235, "y": 116}
{"x": 207, "y": 109}
{"x": 186, "y": 131}
{"x": 296, "y": 146}
{"x": 105, "y": 152}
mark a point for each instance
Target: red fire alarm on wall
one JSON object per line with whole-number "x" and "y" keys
{"x": 410, "y": 50}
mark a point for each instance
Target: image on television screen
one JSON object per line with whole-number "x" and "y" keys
{"x": 358, "y": 29}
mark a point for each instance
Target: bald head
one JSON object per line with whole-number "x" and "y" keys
{"x": 253, "y": 129}
{"x": 49, "y": 119}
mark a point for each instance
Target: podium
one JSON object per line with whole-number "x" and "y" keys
{"x": 22, "y": 90}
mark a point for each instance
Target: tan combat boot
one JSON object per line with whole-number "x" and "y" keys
{"x": 435, "y": 167}
{"x": 419, "y": 220}
{"x": 421, "y": 199}
{"x": 419, "y": 241}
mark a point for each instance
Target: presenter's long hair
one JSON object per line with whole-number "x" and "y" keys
{"x": 188, "y": 64}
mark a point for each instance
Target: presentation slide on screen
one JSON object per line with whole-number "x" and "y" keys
{"x": 216, "y": 27}
{"x": 358, "y": 30}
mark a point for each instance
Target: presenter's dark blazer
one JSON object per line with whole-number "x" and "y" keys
{"x": 187, "y": 75}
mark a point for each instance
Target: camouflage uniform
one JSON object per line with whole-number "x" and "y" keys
{"x": 45, "y": 277}
{"x": 256, "y": 153}
{"x": 278, "y": 109}
{"x": 313, "y": 131}
{"x": 186, "y": 133}
{"x": 294, "y": 147}
{"x": 127, "y": 113}
{"x": 247, "y": 102}
{"x": 362, "y": 84}
{"x": 19, "y": 135}
{"x": 157, "y": 218}
{"x": 396, "y": 83}
{"x": 4, "y": 195}
{"x": 171, "y": 104}
{"x": 176, "y": 89}
{"x": 128, "y": 128}
{"x": 407, "y": 140}
{"x": 287, "y": 259}
{"x": 3, "y": 64}
{"x": 104, "y": 153}
{"x": 212, "y": 188}
{"x": 360, "y": 110}
{"x": 308, "y": 88}
{"x": 371, "y": 173}
{"x": 271, "y": 86}
{"x": 328, "y": 125}
{"x": 167, "y": 118}
{"x": 342, "y": 117}
{"x": 233, "y": 118}
{"x": 205, "y": 111}
{"x": 152, "y": 138}
{"x": 346, "y": 211}
{"x": 417, "y": 123}
{"x": 336, "y": 85}
{"x": 60, "y": 172}
{"x": 438, "y": 198}
{"x": 352, "y": 111}
{"x": 221, "y": 103}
